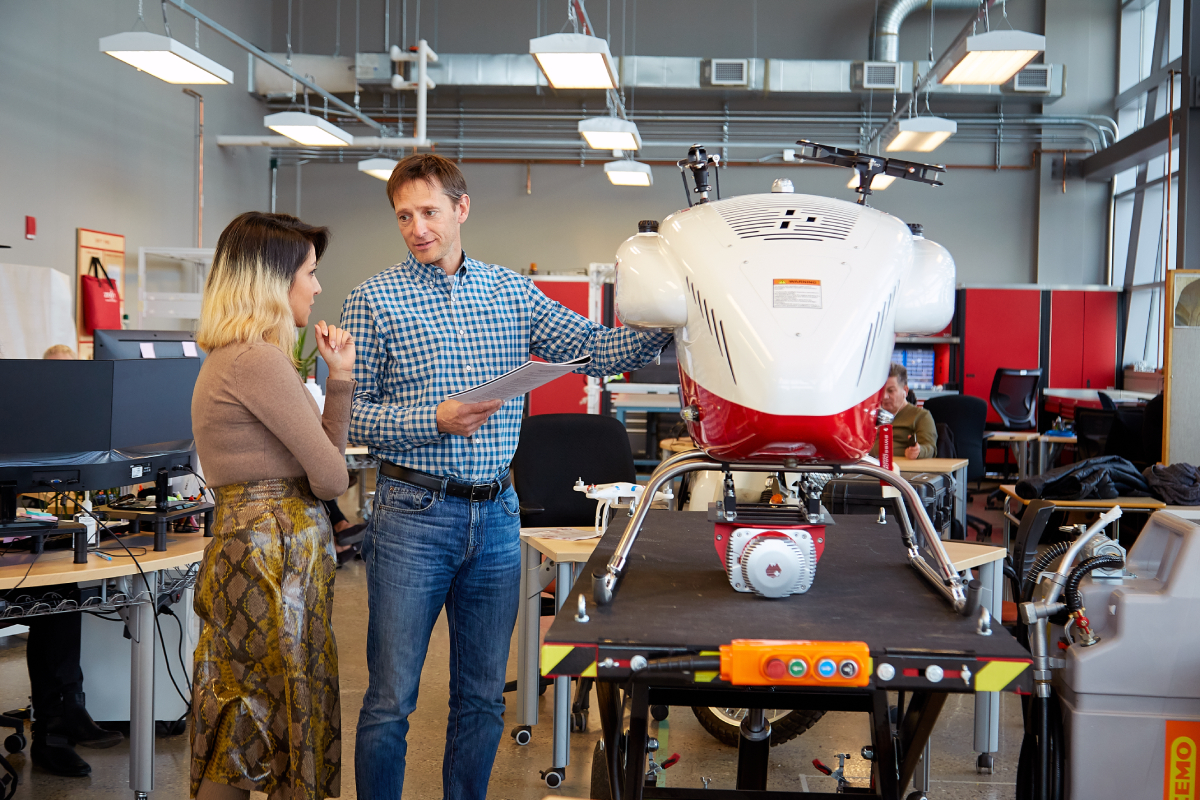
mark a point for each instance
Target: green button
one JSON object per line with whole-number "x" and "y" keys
{"x": 797, "y": 668}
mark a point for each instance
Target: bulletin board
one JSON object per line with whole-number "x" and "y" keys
{"x": 110, "y": 249}
{"x": 1181, "y": 379}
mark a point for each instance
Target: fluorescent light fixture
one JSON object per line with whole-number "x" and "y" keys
{"x": 378, "y": 167}
{"x": 992, "y": 58}
{"x": 629, "y": 173}
{"x": 878, "y": 183}
{"x": 610, "y": 133}
{"x": 164, "y": 58}
{"x": 574, "y": 61}
{"x": 922, "y": 134}
{"x": 308, "y": 129}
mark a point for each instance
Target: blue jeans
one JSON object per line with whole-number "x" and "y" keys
{"x": 424, "y": 552}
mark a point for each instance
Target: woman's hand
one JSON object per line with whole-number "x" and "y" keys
{"x": 337, "y": 348}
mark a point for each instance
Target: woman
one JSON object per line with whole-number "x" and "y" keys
{"x": 265, "y": 711}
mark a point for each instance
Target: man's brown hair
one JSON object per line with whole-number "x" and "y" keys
{"x": 427, "y": 167}
{"x": 898, "y": 372}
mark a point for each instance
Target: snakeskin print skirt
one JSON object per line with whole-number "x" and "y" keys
{"x": 265, "y": 708}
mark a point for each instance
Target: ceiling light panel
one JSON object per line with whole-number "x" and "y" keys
{"x": 610, "y": 133}
{"x": 380, "y": 168}
{"x": 574, "y": 61}
{"x": 629, "y": 173}
{"x": 922, "y": 134}
{"x": 993, "y": 58}
{"x": 308, "y": 129}
{"x": 164, "y": 58}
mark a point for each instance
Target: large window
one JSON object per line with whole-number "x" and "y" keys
{"x": 1144, "y": 200}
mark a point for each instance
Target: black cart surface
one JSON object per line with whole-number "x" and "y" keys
{"x": 674, "y": 599}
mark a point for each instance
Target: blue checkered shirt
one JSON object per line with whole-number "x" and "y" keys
{"x": 421, "y": 334}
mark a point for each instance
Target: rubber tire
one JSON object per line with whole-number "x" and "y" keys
{"x": 554, "y": 778}
{"x": 15, "y": 742}
{"x": 783, "y": 729}
{"x": 519, "y": 732}
{"x": 659, "y": 712}
{"x": 599, "y": 787}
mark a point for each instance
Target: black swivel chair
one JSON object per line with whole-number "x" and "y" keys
{"x": 966, "y": 417}
{"x": 553, "y": 451}
{"x": 1014, "y": 396}
{"x": 1092, "y": 426}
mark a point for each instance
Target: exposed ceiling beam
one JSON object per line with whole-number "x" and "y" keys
{"x": 1138, "y": 147}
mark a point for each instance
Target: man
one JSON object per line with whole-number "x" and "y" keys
{"x": 914, "y": 434}
{"x": 446, "y": 524}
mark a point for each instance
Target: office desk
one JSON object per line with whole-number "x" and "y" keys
{"x": 1143, "y": 504}
{"x": 943, "y": 466}
{"x": 1049, "y": 447}
{"x": 565, "y": 559}
{"x": 133, "y": 603}
{"x": 1020, "y": 441}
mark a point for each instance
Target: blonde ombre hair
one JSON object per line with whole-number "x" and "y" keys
{"x": 246, "y": 295}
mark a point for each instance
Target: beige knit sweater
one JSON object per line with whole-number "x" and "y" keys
{"x": 253, "y": 420}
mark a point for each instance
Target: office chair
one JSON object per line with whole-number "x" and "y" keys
{"x": 1014, "y": 396}
{"x": 966, "y": 417}
{"x": 552, "y": 452}
{"x": 1091, "y": 431}
{"x": 1106, "y": 402}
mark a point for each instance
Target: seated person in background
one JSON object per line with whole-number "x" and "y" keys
{"x": 914, "y": 434}
{"x": 60, "y": 718}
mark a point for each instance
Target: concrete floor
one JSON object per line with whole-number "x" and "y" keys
{"x": 515, "y": 776}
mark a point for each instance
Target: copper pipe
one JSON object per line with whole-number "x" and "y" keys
{"x": 199, "y": 165}
{"x": 1167, "y": 190}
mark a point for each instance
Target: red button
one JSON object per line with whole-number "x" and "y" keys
{"x": 776, "y": 668}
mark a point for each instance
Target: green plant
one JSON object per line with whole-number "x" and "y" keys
{"x": 306, "y": 365}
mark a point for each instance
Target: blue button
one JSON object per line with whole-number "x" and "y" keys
{"x": 826, "y": 667}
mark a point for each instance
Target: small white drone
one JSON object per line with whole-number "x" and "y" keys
{"x": 615, "y": 495}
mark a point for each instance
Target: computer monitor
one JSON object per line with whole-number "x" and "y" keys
{"x": 919, "y": 361}
{"x": 114, "y": 345}
{"x": 88, "y": 425}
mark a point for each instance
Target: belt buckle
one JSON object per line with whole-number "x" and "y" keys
{"x": 485, "y": 490}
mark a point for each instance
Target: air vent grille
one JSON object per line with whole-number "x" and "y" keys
{"x": 729, "y": 72}
{"x": 787, "y": 219}
{"x": 877, "y": 75}
{"x": 1033, "y": 79}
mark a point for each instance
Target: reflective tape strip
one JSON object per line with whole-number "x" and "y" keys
{"x": 569, "y": 659}
{"x": 995, "y": 676}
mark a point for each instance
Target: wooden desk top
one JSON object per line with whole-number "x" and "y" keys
{"x": 1059, "y": 439}
{"x": 966, "y": 555}
{"x": 560, "y": 550}
{"x": 356, "y": 450}
{"x": 936, "y": 465}
{"x": 57, "y": 566}
{"x": 1011, "y": 436}
{"x": 1123, "y": 502}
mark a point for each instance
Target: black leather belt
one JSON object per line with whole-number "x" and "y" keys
{"x": 475, "y": 492}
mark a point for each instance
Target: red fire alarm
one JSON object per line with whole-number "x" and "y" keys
{"x": 31, "y": 227}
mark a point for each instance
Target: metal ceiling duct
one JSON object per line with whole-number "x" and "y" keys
{"x": 885, "y": 33}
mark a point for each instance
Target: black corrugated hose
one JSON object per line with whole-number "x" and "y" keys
{"x": 1029, "y": 581}
{"x": 1074, "y": 599}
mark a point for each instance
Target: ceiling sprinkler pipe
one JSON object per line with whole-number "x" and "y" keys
{"x": 885, "y": 33}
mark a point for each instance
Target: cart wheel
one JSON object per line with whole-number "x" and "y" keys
{"x": 579, "y": 721}
{"x": 659, "y": 712}
{"x": 725, "y": 723}
{"x": 15, "y": 742}
{"x": 521, "y": 735}
{"x": 917, "y": 796}
{"x": 554, "y": 777}
{"x": 986, "y": 764}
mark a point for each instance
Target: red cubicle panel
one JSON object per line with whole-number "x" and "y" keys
{"x": 1100, "y": 343}
{"x": 568, "y": 394}
{"x": 1001, "y": 329}
{"x": 1083, "y": 340}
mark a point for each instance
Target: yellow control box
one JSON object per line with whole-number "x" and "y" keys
{"x": 778, "y": 662}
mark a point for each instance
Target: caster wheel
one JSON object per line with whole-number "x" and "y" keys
{"x": 15, "y": 743}
{"x": 986, "y": 764}
{"x": 917, "y": 796}
{"x": 554, "y": 777}
{"x": 521, "y": 735}
{"x": 659, "y": 712}
{"x": 579, "y": 721}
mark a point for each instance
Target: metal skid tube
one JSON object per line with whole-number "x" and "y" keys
{"x": 943, "y": 578}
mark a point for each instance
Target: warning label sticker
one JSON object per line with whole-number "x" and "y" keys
{"x": 1179, "y": 776}
{"x": 795, "y": 293}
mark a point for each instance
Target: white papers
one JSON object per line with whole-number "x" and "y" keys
{"x": 516, "y": 382}
{"x": 562, "y": 534}
{"x": 189, "y": 350}
{"x": 147, "y": 349}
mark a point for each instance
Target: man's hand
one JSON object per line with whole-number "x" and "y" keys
{"x": 912, "y": 451}
{"x": 463, "y": 419}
